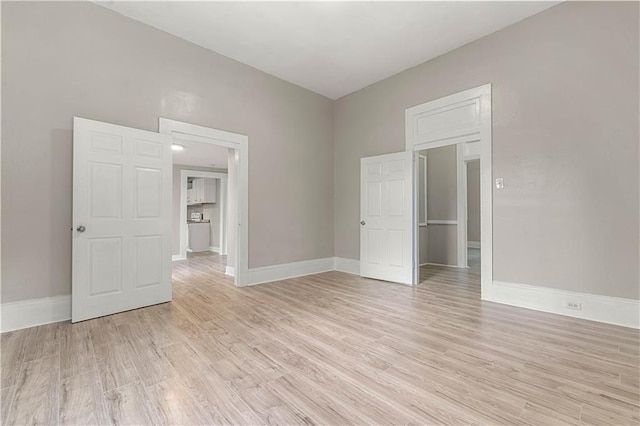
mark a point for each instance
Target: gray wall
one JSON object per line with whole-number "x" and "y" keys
{"x": 438, "y": 242}
{"x": 442, "y": 244}
{"x": 423, "y": 248}
{"x": 211, "y": 212}
{"x": 473, "y": 201}
{"x": 77, "y": 58}
{"x": 442, "y": 187}
{"x": 565, "y": 139}
{"x": 442, "y": 204}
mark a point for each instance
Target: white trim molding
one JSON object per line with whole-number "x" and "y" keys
{"x": 441, "y": 222}
{"x": 610, "y": 310}
{"x": 461, "y": 206}
{"x": 34, "y": 312}
{"x": 606, "y": 309}
{"x": 444, "y": 264}
{"x": 350, "y": 266}
{"x": 230, "y": 271}
{"x": 472, "y": 151}
{"x": 177, "y": 257}
{"x": 473, "y": 244}
{"x": 422, "y": 177}
{"x": 266, "y": 274}
{"x": 214, "y": 249}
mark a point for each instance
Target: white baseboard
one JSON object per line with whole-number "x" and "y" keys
{"x": 214, "y": 249}
{"x": 350, "y": 266}
{"x": 285, "y": 271}
{"x": 177, "y": 257}
{"x": 33, "y": 312}
{"x": 230, "y": 270}
{"x": 473, "y": 244}
{"x": 611, "y": 310}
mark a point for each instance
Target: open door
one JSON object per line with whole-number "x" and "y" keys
{"x": 121, "y": 219}
{"x": 386, "y": 207}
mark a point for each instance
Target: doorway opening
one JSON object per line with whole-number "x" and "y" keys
{"x": 210, "y": 186}
{"x": 448, "y": 217}
{"x": 200, "y": 223}
{"x": 462, "y": 120}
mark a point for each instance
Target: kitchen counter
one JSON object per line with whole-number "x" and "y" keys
{"x": 198, "y": 235}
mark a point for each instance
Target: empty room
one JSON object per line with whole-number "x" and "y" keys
{"x": 330, "y": 213}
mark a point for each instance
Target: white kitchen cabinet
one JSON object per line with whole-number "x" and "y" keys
{"x": 191, "y": 196}
{"x": 204, "y": 191}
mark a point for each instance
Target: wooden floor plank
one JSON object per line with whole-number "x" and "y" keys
{"x": 82, "y": 401}
{"x": 12, "y": 345}
{"x": 6, "y": 399}
{"x": 36, "y": 397}
{"x": 173, "y": 404}
{"x": 130, "y": 405}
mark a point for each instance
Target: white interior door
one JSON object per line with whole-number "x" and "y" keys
{"x": 386, "y": 207}
{"x": 121, "y": 219}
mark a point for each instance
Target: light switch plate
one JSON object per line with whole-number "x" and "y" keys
{"x": 499, "y": 183}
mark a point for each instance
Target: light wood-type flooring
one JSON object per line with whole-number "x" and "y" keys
{"x": 329, "y": 349}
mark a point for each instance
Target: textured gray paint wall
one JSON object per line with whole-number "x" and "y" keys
{"x": 473, "y": 200}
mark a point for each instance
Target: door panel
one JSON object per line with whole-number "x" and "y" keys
{"x": 147, "y": 256}
{"x": 387, "y": 217}
{"x": 122, "y": 197}
{"x": 105, "y": 190}
{"x": 374, "y": 198}
{"x": 148, "y": 193}
{"x": 105, "y": 263}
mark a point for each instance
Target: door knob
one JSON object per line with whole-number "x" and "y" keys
{"x": 81, "y": 228}
{"x": 363, "y": 223}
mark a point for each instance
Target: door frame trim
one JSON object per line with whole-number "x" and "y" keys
{"x": 424, "y": 179}
{"x": 480, "y": 131}
{"x": 240, "y": 143}
{"x": 461, "y": 208}
{"x": 222, "y": 203}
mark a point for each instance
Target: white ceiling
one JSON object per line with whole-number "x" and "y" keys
{"x": 332, "y": 48}
{"x": 200, "y": 154}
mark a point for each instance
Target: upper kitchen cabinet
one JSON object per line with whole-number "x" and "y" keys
{"x": 203, "y": 191}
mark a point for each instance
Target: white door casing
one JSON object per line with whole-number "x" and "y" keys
{"x": 121, "y": 219}
{"x": 461, "y": 207}
{"x": 240, "y": 143}
{"x": 460, "y": 118}
{"x": 386, "y": 209}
